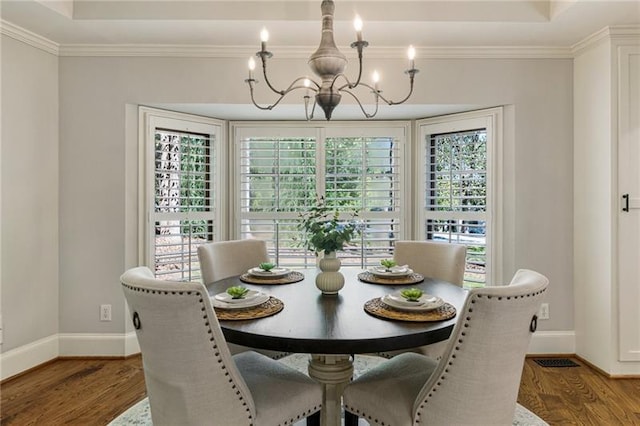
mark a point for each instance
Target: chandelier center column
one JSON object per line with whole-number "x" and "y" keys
{"x": 327, "y": 62}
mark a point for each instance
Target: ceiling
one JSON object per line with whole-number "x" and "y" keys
{"x": 423, "y": 23}
{"x": 294, "y": 25}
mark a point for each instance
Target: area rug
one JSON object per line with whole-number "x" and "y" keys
{"x": 139, "y": 414}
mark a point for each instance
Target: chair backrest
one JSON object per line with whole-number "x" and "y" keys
{"x": 225, "y": 259}
{"x": 442, "y": 261}
{"x": 189, "y": 373}
{"x": 478, "y": 379}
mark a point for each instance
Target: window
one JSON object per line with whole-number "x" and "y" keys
{"x": 280, "y": 170}
{"x": 277, "y": 169}
{"x": 457, "y": 195}
{"x": 365, "y": 172}
{"x": 183, "y": 199}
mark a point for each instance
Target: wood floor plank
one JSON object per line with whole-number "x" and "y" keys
{"x": 88, "y": 392}
{"x": 579, "y": 396}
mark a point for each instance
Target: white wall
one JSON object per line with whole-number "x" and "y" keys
{"x": 95, "y": 141}
{"x": 98, "y": 175}
{"x": 29, "y": 154}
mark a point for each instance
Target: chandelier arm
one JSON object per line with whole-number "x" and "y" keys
{"x": 264, "y": 108}
{"x": 292, "y": 86}
{"x": 359, "y": 69}
{"x": 359, "y": 45}
{"x": 306, "y": 107}
{"x": 313, "y": 109}
{"x": 266, "y": 79}
{"x": 282, "y": 94}
{"x": 411, "y": 73}
{"x": 366, "y": 114}
{"x": 349, "y": 85}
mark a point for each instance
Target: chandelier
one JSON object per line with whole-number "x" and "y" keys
{"x": 328, "y": 63}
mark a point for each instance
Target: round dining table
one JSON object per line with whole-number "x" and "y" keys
{"x": 333, "y": 328}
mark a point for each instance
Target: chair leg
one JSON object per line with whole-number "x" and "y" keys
{"x": 350, "y": 419}
{"x": 314, "y": 419}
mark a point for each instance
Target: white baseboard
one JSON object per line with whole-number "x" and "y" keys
{"x": 131, "y": 345}
{"x": 106, "y": 344}
{"x": 28, "y": 356}
{"x": 552, "y": 342}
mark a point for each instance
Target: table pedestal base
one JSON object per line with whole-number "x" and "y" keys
{"x": 334, "y": 372}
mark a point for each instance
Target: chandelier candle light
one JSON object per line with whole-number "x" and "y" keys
{"x": 328, "y": 63}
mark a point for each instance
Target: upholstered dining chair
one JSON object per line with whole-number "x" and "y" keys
{"x": 190, "y": 375}
{"x": 442, "y": 261}
{"x": 224, "y": 259}
{"x": 477, "y": 380}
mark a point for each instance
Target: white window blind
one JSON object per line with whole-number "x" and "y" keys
{"x": 281, "y": 170}
{"x": 277, "y": 182}
{"x": 456, "y": 189}
{"x": 365, "y": 173}
{"x": 182, "y": 195}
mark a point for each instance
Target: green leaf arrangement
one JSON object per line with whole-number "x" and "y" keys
{"x": 237, "y": 292}
{"x": 267, "y": 266}
{"x": 324, "y": 230}
{"x": 388, "y": 263}
{"x": 411, "y": 294}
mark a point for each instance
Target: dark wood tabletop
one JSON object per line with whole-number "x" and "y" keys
{"x": 313, "y": 323}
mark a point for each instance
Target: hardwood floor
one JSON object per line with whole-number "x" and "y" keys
{"x": 72, "y": 392}
{"x": 94, "y": 392}
{"x": 579, "y": 396}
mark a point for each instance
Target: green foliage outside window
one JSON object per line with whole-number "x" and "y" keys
{"x": 182, "y": 176}
{"x": 460, "y": 171}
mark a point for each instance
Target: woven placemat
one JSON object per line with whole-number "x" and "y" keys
{"x": 370, "y": 278}
{"x": 268, "y": 308}
{"x": 291, "y": 277}
{"x": 378, "y": 308}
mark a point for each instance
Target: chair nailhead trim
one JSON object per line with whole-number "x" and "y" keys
{"x": 206, "y": 324}
{"x": 457, "y": 348}
{"x": 305, "y": 413}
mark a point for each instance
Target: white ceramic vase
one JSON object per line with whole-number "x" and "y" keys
{"x": 330, "y": 281}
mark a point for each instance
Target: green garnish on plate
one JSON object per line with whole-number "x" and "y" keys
{"x": 411, "y": 294}
{"x": 388, "y": 263}
{"x": 237, "y": 292}
{"x": 267, "y": 266}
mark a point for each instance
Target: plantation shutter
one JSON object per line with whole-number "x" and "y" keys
{"x": 455, "y": 199}
{"x": 281, "y": 170}
{"x": 277, "y": 182}
{"x": 365, "y": 172}
{"x": 183, "y": 196}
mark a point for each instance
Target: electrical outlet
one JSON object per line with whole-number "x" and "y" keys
{"x": 105, "y": 312}
{"x": 543, "y": 313}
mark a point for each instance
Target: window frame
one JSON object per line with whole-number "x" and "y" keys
{"x": 491, "y": 120}
{"x": 321, "y": 131}
{"x": 150, "y": 120}
{"x": 412, "y": 216}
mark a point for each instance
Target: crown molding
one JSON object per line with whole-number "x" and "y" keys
{"x": 616, "y": 33}
{"x": 494, "y": 52}
{"x": 26, "y": 36}
{"x": 153, "y": 50}
{"x": 303, "y": 52}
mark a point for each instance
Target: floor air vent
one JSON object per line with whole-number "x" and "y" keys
{"x": 556, "y": 362}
